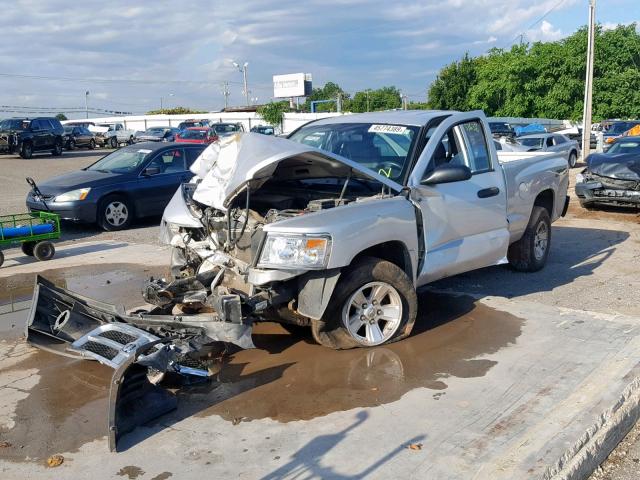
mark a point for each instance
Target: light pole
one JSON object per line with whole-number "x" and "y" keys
{"x": 243, "y": 70}
{"x": 588, "y": 84}
{"x": 86, "y": 103}
{"x": 161, "y": 98}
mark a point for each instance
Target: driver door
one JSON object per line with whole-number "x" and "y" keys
{"x": 464, "y": 223}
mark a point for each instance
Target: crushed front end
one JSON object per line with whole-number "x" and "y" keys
{"x": 594, "y": 189}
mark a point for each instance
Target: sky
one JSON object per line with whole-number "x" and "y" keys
{"x": 131, "y": 56}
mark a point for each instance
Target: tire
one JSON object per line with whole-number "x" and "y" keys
{"x": 530, "y": 253}
{"x": 363, "y": 279}
{"x": 1, "y": 258}
{"x": 44, "y": 250}
{"x": 71, "y": 144}
{"x": 57, "y": 150}
{"x": 27, "y": 248}
{"x": 115, "y": 213}
{"x": 92, "y": 144}
{"x": 573, "y": 159}
{"x": 130, "y": 141}
{"x": 113, "y": 142}
{"x": 26, "y": 151}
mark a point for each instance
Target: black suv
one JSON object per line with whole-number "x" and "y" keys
{"x": 28, "y": 136}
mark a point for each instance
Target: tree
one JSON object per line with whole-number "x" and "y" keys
{"x": 546, "y": 79}
{"x": 174, "y": 111}
{"x": 273, "y": 113}
{"x": 61, "y": 117}
{"x": 329, "y": 91}
{"x": 384, "y": 98}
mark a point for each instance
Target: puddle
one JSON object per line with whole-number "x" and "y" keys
{"x": 289, "y": 378}
{"x": 66, "y": 404}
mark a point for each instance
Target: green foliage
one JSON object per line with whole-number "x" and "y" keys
{"x": 61, "y": 117}
{"x": 329, "y": 91}
{"x": 384, "y": 98}
{"x": 174, "y": 111}
{"x": 547, "y": 79}
{"x": 273, "y": 113}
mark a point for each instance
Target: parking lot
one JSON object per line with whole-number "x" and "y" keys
{"x": 507, "y": 375}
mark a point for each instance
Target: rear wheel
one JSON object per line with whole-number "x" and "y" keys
{"x": 27, "y": 150}
{"x": 27, "y": 248}
{"x": 57, "y": 149}
{"x": 115, "y": 213}
{"x": 374, "y": 303}
{"x": 44, "y": 250}
{"x": 71, "y": 144}
{"x": 92, "y": 144}
{"x": 529, "y": 254}
{"x": 573, "y": 158}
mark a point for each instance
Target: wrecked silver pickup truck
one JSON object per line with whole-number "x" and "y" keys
{"x": 333, "y": 228}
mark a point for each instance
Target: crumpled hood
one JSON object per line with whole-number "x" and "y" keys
{"x": 623, "y": 166}
{"x": 226, "y": 166}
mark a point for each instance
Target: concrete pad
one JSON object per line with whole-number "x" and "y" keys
{"x": 536, "y": 394}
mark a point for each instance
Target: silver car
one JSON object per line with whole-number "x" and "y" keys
{"x": 553, "y": 142}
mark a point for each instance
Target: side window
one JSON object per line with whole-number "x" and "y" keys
{"x": 476, "y": 147}
{"x": 463, "y": 144}
{"x": 498, "y": 145}
{"x": 560, "y": 139}
{"x": 36, "y": 125}
{"x": 169, "y": 161}
{"x": 549, "y": 141}
{"x": 118, "y": 127}
{"x": 191, "y": 155}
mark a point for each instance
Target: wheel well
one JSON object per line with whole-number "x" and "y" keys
{"x": 395, "y": 252}
{"x": 545, "y": 200}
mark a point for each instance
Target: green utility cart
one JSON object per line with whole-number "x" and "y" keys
{"x": 34, "y": 231}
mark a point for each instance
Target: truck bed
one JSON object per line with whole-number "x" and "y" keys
{"x": 527, "y": 174}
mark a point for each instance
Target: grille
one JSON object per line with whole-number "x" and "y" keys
{"x": 99, "y": 349}
{"x": 120, "y": 337}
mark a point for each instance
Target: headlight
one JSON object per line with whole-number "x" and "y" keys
{"x": 295, "y": 251}
{"x": 579, "y": 178}
{"x": 73, "y": 195}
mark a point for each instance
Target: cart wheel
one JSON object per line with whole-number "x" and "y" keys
{"x": 44, "y": 250}
{"x": 1, "y": 258}
{"x": 27, "y": 248}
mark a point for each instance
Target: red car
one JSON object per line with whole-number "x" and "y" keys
{"x": 197, "y": 135}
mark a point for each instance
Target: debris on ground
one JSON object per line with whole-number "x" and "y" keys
{"x": 414, "y": 446}
{"x": 55, "y": 461}
{"x": 5, "y": 444}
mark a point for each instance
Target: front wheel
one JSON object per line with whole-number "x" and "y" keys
{"x": 374, "y": 303}
{"x": 113, "y": 141}
{"x": 57, "y": 149}
{"x": 529, "y": 254}
{"x": 71, "y": 144}
{"x": 92, "y": 144}
{"x": 115, "y": 213}
{"x": 573, "y": 159}
{"x": 27, "y": 150}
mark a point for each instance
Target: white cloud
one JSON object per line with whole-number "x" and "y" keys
{"x": 544, "y": 33}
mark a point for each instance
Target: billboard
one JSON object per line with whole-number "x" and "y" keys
{"x": 292, "y": 85}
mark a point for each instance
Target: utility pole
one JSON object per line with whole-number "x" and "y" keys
{"x": 588, "y": 85}
{"x": 339, "y": 103}
{"x": 226, "y": 93}
{"x": 86, "y": 103}
{"x": 243, "y": 69}
{"x": 367, "y": 92}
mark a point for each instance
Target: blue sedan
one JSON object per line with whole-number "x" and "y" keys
{"x": 132, "y": 182}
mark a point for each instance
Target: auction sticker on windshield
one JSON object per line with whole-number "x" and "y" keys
{"x": 143, "y": 150}
{"x": 391, "y": 129}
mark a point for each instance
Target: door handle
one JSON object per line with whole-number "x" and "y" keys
{"x": 488, "y": 192}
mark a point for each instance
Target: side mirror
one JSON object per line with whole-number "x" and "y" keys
{"x": 447, "y": 174}
{"x": 150, "y": 171}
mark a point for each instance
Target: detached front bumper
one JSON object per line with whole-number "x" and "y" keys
{"x": 595, "y": 193}
{"x": 133, "y": 345}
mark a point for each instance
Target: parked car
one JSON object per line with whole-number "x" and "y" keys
{"x": 501, "y": 129}
{"x": 336, "y": 208}
{"x": 510, "y": 146}
{"x": 78, "y": 137}
{"x": 114, "y": 134}
{"x": 553, "y": 142}
{"x": 132, "y": 182}
{"x": 204, "y": 135}
{"x": 615, "y": 129}
{"x": 193, "y": 123}
{"x": 28, "y": 136}
{"x": 226, "y": 129}
{"x": 613, "y": 177}
{"x": 263, "y": 129}
{"x": 157, "y": 134}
